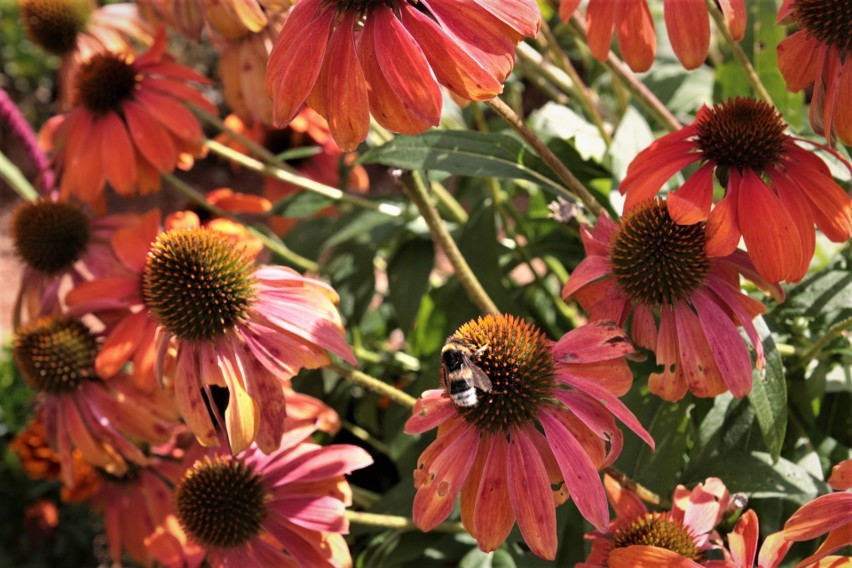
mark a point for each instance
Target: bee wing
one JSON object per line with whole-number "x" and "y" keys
{"x": 480, "y": 379}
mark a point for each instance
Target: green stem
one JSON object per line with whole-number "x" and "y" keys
{"x": 397, "y": 522}
{"x": 415, "y": 188}
{"x": 274, "y": 245}
{"x": 738, "y": 52}
{"x": 373, "y": 384}
{"x": 286, "y": 176}
{"x": 813, "y": 350}
{"x": 449, "y": 204}
{"x": 404, "y": 360}
{"x": 642, "y": 492}
{"x": 365, "y": 436}
{"x": 13, "y": 176}
{"x": 577, "y": 189}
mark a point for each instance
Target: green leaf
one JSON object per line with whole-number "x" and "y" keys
{"x": 768, "y": 396}
{"x": 353, "y": 276}
{"x": 301, "y": 204}
{"x": 765, "y": 56}
{"x": 408, "y": 277}
{"x": 465, "y": 153}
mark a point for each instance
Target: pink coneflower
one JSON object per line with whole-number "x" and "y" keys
{"x": 687, "y": 23}
{"x": 60, "y": 245}
{"x": 136, "y": 502}
{"x": 774, "y": 190}
{"x": 686, "y": 307}
{"x": 819, "y": 54}
{"x": 76, "y": 30}
{"x": 549, "y": 421}
{"x": 678, "y": 537}
{"x": 349, "y": 59}
{"x": 282, "y": 509}
{"x": 238, "y": 326}
{"x": 128, "y": 125}
{"x": 56, "y": 357}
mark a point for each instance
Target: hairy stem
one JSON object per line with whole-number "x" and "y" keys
{"x": 372, "y": 383}
{"x": 397, "y": 522}
{"x": 416, "y": 190}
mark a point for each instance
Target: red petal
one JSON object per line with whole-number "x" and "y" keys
{"x": 843, "y": 111}
{"x": 493, "y": 514}
{"x": 688, "y": 25}
{"x": 453, "y": 66}
{"x": 172, "y": 114}
{"x": 735, "y": 16}
{"x": 599, "y": 26}
{"x": 120, "y": 166}
{"x": 344, "y": 89}
{"x": 743, "y": 541}
{"x": 523, "y": 16}
{"x": 691, "y": 203}
{"x": 529, "y": 493}
{"x": 404, "y": 66}
{"x": 635, "y": 33}
{"x": 797, "y": 60}
{"x": 793, "y": 201}
{"x": 723, "y": 228}
{"x": 589, "y": 270}
{"x": 149, "y": 136}
{"x": 567, "y": 9}
{"x": 592, "y": 342}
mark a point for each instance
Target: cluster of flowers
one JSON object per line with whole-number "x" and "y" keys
{"x": 173, "y": 399}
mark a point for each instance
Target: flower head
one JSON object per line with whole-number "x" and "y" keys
{"x": 775, "y": 190}
{"x": 56, "y": 356}
{"x": 392, "y": 67}
{"x": 685, "y": 306}
{"x": 245, "y": 328}
{"x": 537, "y": 437}
{"x": 687, "y": 23}
{"x": 818, "y": 54}
{"x": 278, "y": 510}
{"x": 637, "y": 535}
{"x": 128, "y": 124}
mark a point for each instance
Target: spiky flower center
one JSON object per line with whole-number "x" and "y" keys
{"x": 657, "y": 529}
{"x": 655, "y": 260}
{"x": 742, "y": 133}
{"x": 55, "y": 355}
{"x": 49, "y": 236}
{"x": 221, "y": 502}
{"x": 104, "y": 82}
{"x": 518, "y": 362}
{"x": 829, "y": 21}
{"x": 54, "y": 24}
{"x": 197, "y": 284}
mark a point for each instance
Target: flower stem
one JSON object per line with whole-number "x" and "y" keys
{"x": 738, "y": 52}
{"x": 274, "y": 245}
{"x": 284, "y": 175}
{"x": 642, "y": 492}
{"x": 14, "y": 177}
{"x": 373, "y": 384}
{"x": 576, "y": 188}
{"x": 814, "y": 349}
{"x": 617, "y": 67}
{"x": 397, "y": 522}
{"x": 416, "y": 190}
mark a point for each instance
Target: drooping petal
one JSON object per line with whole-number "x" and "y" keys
{"x": 120, "y": 345}
{"x": 688, "y": 25}
{"x": 149, "y": 136}
{"x": 793, "y": 201}
{"x": 696, "y": 364}
{"x": 819, "y": 516}
{"x": 523, "y": 16}
{"x": 567, "y": 9}
{"x": 670, "y": 384}
{"x": 120, "y": 161}
{"x": 493, "y": 514}
{"x": 692, "y": 201}
{"x": 634, "y": 29}
{"x": 189, "y": 401}
{"x": 723, "y": 226}
{"x": 830, "y": 205}
{"x": 529, "y": 493}
{"x": 599, "y": 26}
{"x": 773, "y": 550}
{"x": 590, "y": 269}
{"x": 797, "y": 60}
{"x": 344, "y": 89}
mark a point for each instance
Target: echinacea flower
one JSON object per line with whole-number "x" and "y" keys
{"x": 77, "y": 29}
{"x": 826, "y": 515}
{"x": 135, "y": 503}
{"x": 741, "y": 551}
{"x": 687, "y": 23}
{"x": 56, "y": 356}
{"x": 235, "y": 325}
{"x": 685, "y": 306}
{"x": 282, "y": 509}
{"x": 129, "y": 124}
{"x": 775, "y": 191}
{"x": 226, "y": 19}
{"x": 678, "y": 537}
{"x": 352, "y": 58}
{"x": 537, "y": 438}
{"x": 58, "y": 243}
{"x": 819, "y": 54}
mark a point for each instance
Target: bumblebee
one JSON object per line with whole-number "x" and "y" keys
{"x": 461, "y": 375}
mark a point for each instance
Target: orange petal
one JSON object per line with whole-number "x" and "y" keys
{"x": 120, "y": 165}
{"x": 120, "y": 345}
{"x": 493, "y": 516}
{"x": 797, "y": 60}
{"x": 643, "y": 556}
{"x": 723, "y": 228}
{"x": 599, "y": 26}
{"x": 634, "y": 31}
{"x": 149, "y": 136}
{"x": 688, "y": 25}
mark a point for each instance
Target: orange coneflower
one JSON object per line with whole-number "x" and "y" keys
{"x": 284, "y": 509}
{"x": 742, "y": 546}
{"x": 129, "y": 124}
{"x": 678, "y": 537}
{"x": 650, "y": 266}
{"x": 775, "y": 190}
{"x": 537, "y": 438}
{"x": 77, "y": 29}
{"x": 351, "y": 58}
{"x": 819, "y": 53}
{"x": 687, "y": 23}
{"x": 56, "y": 356}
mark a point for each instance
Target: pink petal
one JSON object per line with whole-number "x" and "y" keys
{"x": 596, "y": 417}
{"x": 320, "y": 463}
{"x": 316, "y": 513}
{"x": 644, "y": 556}
{"x": 592, "y": 342}
{"x": 189, "y": 401}
{"x": 589, "y": 270}
{"x": 430, "y": 410}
